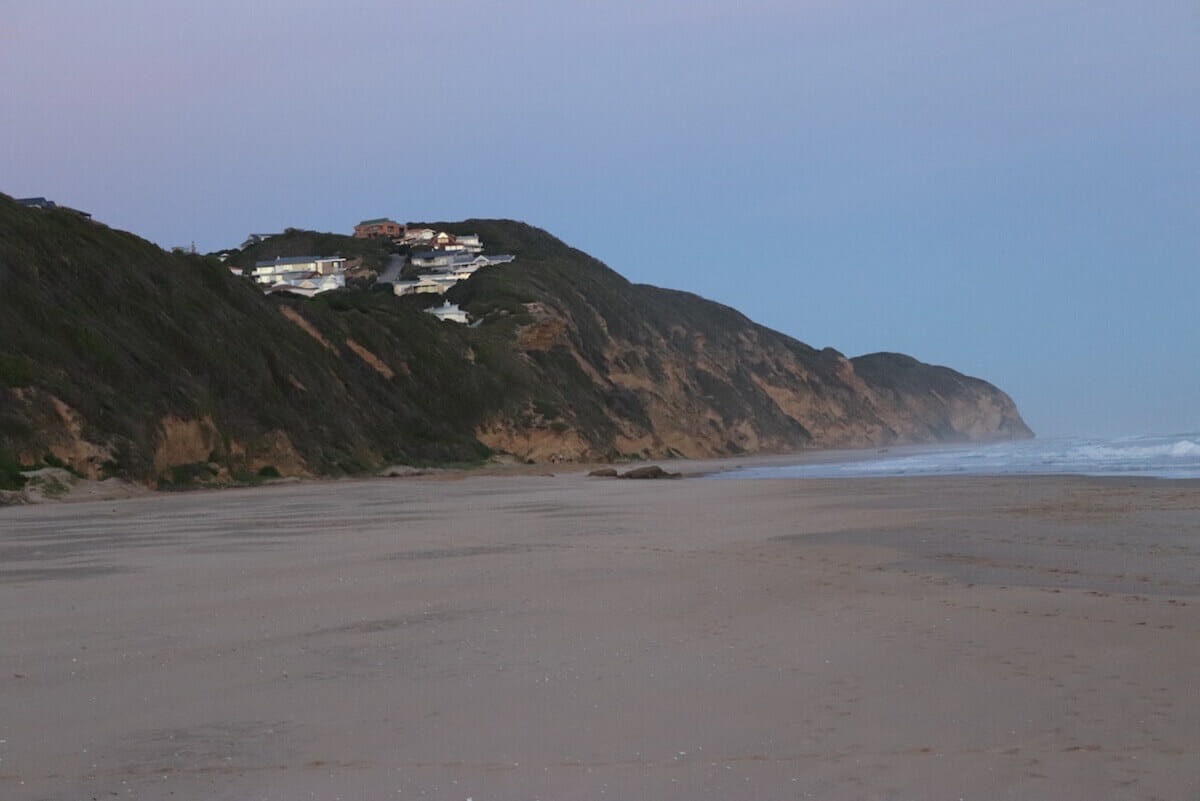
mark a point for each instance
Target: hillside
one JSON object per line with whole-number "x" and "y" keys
{"x": 117, "y": 358}
{"x": 373, "y": 253}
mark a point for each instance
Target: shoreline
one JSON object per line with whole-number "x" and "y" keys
{"x": 84, "y": 490}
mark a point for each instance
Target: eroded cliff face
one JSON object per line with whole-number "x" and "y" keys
{"x": 731, "y": 387}
{"x": 182, "y": 443}
{"x": 924, "y": 403}
{"x": 60, "y": 432}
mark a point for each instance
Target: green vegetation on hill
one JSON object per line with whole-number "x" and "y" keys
{"x": 120, "y": 359}
{"x": 125, "y": 335}
{"x": 296, "y": 242}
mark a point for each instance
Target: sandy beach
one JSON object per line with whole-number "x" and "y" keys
{"x": 552, "y": 637}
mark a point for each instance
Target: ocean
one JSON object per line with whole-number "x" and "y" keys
{"x": 1173, "y": 456}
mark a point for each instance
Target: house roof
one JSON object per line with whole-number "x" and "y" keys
{"x": 377, "y": 221}
{"x": 297, "y": 260}
{"x": 447, "y": 310}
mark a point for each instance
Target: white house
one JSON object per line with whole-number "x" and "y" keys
{"x": 414, "y": 235}
{"x": 486, "y": 261}
{"x": 465, "y": 268}
{"x": 314, "y": 285}
{"x": 469, "y": 242}
{"x": 426, "y": 285}
{"x": 466, "y": 243}
{"x": 301, "y": 275}
{"x": 448, "y": 312}
{"x": 431, "y": 259}
{"x": 254, "y": 239}
{"x": 448, "y": 269}
{"x": 453, "y": 263}
{"x": 464, "y": 262}
{"x": 439, "y": 283}
{"x": 281, "y": 269}
{"x": 405, "y": 287}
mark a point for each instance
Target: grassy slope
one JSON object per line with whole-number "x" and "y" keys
{"x": 297, "y": 242}
{"x": 126, "y": 334}
{"x": 649, "y": 325}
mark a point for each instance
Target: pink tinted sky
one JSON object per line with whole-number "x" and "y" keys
{"x": 1008, "y": 188}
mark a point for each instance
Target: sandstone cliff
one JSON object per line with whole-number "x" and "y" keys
{"x": 676, "y": 374}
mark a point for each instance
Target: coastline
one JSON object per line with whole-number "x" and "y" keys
{"x": 762, "y": 465}
{"x": 73, "y": 489}
{"x": 504, "y": 636}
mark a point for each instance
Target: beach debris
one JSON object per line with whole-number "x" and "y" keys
{"x": 649, "y": 471}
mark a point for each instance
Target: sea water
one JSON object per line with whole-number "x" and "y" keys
{"x": 1174, "y": 456}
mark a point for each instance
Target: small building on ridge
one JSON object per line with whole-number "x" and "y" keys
{"x": 379, "y": 228}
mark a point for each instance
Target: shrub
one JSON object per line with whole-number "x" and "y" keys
{"x": 10, "y": 472}
{"x": 17, "y": 371}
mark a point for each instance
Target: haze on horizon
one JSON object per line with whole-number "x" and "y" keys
{"x": 1009, "y": 189}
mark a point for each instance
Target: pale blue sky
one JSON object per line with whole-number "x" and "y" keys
{"x": 1008, "y": 188}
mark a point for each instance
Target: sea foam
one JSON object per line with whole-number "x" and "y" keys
{"x": 1175, "y": 456}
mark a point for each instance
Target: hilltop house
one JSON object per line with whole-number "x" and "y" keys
{"x": 307, "y": 275}
{"x": 431, "y": 259}
{"x": 464, "y": 266}
{"x": 468, "y": 242}
{"x": 464, "y": 242}
{"x": 269, "y": 272}
{"x": 447, "y": 269}
{"x": 415, "y": 236}
{"x": 47, "y": 205}
{"x": 309, "y": 287}
{"x": 37, "y": 203}
{"x": 429, "y": 284}
{"x": 379, "y": 228}
{"x": 454, "y": 261}
{"x": 495, "y": 258}
{"x": 254, "y": 239}
{"x": 312, "y": 285}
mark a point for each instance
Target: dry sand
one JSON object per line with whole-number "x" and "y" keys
{"x": 558, "y": 637}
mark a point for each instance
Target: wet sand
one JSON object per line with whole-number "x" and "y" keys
{"x": 559, "y": 637}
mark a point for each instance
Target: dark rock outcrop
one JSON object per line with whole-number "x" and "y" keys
{"x": 649, "y": 471}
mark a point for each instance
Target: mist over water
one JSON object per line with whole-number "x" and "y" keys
{"x": 1173, "y": 456}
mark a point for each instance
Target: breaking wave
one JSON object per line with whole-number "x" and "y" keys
{"x": 1176, "y": 456}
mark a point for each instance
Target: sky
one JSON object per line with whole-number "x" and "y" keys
{"x": 1011, "y": 189}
